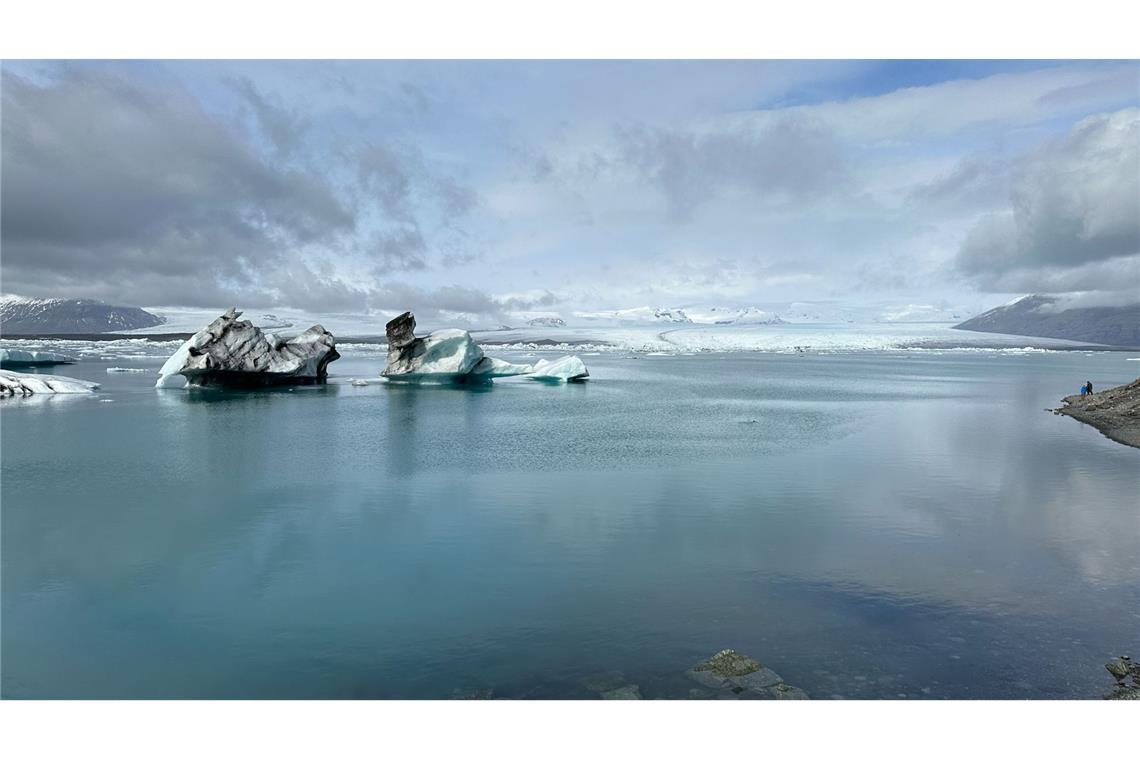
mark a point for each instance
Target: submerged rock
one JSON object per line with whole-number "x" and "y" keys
{"x": 232, "y": 352}
{"x": 473, "y": 694}
{"x": 625, "y": 692}
{"x": 731, "y": 675}
{"x": 602, "y": 682}
{"x": 23, "y": 384}
{"x": 727, "y": 662}
{"x": 14, "y": 357}
{"x": 453, "y": 356}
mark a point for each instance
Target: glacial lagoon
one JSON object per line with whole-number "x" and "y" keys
{"x": 872, "y": 524}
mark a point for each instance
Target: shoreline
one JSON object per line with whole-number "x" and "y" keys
{"x": 1115, "y": 412}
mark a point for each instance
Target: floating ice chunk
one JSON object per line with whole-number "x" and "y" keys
{"x": 229, "y": 351}
{"x": 23, "y": 384}
{"x": 453, "y": 356}
{"x": 489, "y": 367}
{"x": 168, "y": 376}
{"x": 443, "y": 354}
{"x": 564, "y": 369}
{"x": 360, "y": 383}
{"x": 15, "y": 357}
{"x": 127, "y": 369}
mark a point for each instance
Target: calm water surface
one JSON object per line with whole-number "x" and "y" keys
{"x": 869, "y": 525}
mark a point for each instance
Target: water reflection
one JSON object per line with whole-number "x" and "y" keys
{"x": 937, "y": 535}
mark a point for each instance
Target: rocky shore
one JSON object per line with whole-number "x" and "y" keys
{"x": 1114, "y": 412}
{"x": 1127, "y": 675}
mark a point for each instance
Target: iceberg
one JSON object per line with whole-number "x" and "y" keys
{"x": 442, "y": 354}
{"x": 23, "y": 384}
{"x": 489, "y": 367}
{"x": 232, "y": 352}
{"x": 453, "y": 356}
{"x": 566, "y": 369}
{"x": 14, "y": 357}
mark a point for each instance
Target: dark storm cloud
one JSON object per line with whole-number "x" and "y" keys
{"x": 787, "y": 158}
{"x": 110, "y": 186}
{"x": 1074, "y": 216}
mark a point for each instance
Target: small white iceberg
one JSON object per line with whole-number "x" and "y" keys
{"x": 23, "y": 384}
{"x": 360, "y": 383}
{"x": 567, "y": 369}
{"x": 112, "y": 370}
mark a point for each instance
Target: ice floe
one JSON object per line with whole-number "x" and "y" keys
{"x": 15, "y": 357}
{"x": 564, "y": 369}
{"x": 24, "y": 384}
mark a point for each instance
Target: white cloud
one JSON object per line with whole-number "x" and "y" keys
{"x": 1074, "y": 216}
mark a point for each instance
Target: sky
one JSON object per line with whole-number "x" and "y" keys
{"x": 495, "y": 187}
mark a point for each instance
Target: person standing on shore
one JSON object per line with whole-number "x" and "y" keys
{"x": 1088, "y": 386}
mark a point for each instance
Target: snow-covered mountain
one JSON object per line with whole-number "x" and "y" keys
{"x": 1047, "y": 317}
{"x": 24, "y": 316}
{"x": 732, "y": 315}
{"x": 640, "y": 314}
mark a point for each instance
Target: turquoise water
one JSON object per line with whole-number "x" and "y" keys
{"x": 869, "y": 525}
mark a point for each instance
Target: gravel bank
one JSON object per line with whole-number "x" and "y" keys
{"x": 1114, "y": 412}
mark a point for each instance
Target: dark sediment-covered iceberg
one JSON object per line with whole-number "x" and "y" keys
{"x": 232, "y": 352}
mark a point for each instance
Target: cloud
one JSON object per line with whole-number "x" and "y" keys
{"x": 355, "y": 185}
{"x": 788, "y": 159}
{"x": 974, "y": 182}
{"x": 968, "y": 105}
{"x": 1073, "y": 221}
{"x": 111, "y": 185}
{"x": 282, "y": 126}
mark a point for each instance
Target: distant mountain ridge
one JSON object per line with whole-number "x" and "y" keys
{"x": 47, "y": 316}
{"x": 1036, "y": 316}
